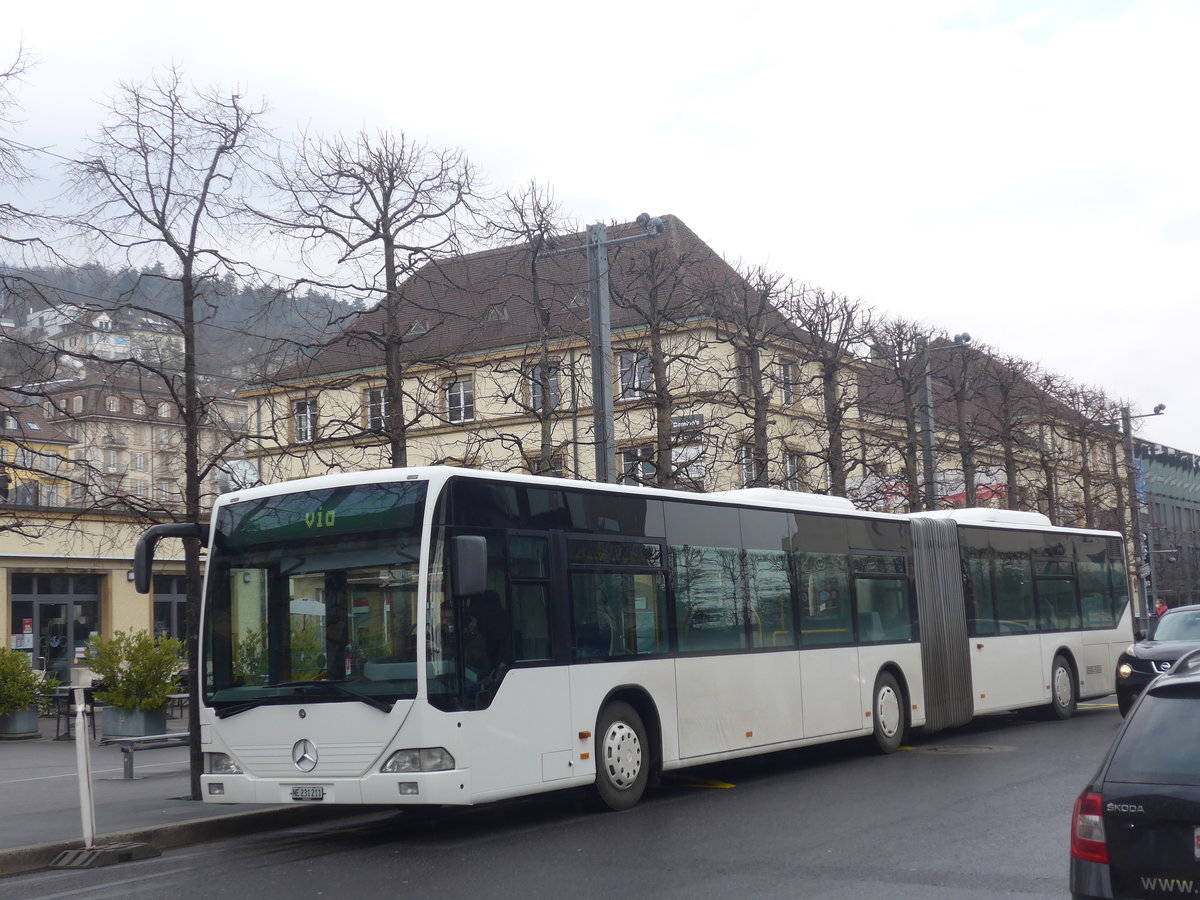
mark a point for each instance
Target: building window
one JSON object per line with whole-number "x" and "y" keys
{"x": 164, "y": 410}
{"x": 555, "y": 469}
{"x": 789, "y": 379}
{"x": 745, "y": 464}
{"x": 52, "y": 495}
{"x": 26, "y": 494}
{"x": 535, "y": 388}
{"x": 77, "y": 404}
{"x": 10, "y": 422}
{"x": 637, "y": 465}
{"x": 460, "y": 400}
{"x": 139, "y": 408}
{"x": 304, "y": 421}
{"x": 139, "y": 489}
{"x": 139, "y": 462}
{"x": 742, "y": 362}
{"x": 376, "y": 403}
{"x": 793, "y": 471}
{"x": 26, "y": 458}
{"x": 48, "y": 409}
{"x": 112, "y": 404}
{"x": 633, "y": 373}
{"x": 164, "y": 490}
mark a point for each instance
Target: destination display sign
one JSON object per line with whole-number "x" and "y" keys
{"x": 309, "y": 514}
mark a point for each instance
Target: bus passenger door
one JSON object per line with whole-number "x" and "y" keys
{"x": 522, "y": 702}
{"x": 1006, "y": 670}
{"x": 829, "y": 683}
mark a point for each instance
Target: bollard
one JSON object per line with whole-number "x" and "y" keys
{"x": 83, "y": 761}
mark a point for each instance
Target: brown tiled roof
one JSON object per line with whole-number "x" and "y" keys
{"x": 32, "y": 426}
{"x": 483, "y": 301}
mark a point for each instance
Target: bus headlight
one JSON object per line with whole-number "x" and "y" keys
{"x": 1124, "y": 670}
{"x": 220, "y": 764}
{"x": 426, "y": 759}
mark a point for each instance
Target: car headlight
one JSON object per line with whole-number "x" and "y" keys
{"x": 1124, "y": 670}
{"x": 425, "y": 759}
{"x": 220, "y": 764}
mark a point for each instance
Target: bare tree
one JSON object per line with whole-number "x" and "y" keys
{"x": 749, "y": 319}
{"x": 839, "y": 330}
{"x": 533, "y": 382}
{"x": 369, "y": 213}
{"x": 658, "y": 290}
{"x": 163, "y": 183}
{"x": 892, "y": 385}
{"x": 13, "y": 154}
{"x": 1089, "y": 417}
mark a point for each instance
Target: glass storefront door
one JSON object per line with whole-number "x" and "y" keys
{"x": 60, "y": 613}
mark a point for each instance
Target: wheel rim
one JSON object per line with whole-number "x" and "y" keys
{"x": 887, "y": 713}
{"x": 1062, "y": 687}
{"x": 622, "y": 755}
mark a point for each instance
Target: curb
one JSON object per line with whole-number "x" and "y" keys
{"x": 19, "y": 860}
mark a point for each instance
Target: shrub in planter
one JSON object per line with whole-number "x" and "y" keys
{"x": 22, "y": 691}
{"x": 136, "y": 672}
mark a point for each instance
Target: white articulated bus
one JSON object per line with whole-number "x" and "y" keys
{"x": 446, "y": 636}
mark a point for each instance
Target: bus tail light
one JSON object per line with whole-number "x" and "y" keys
{"x": 220, "y": 764}
{"x": 426, "y": 759}
{"x": 1087, "y": 829}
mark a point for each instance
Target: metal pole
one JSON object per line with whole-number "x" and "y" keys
{"x": 601, "y": 349}
{"x": 1135, "y": 519}
{"x": 928, "y": 464}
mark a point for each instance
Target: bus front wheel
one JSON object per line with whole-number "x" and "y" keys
{"x": 622, "y": 756}
{"x": 887, "y": 713}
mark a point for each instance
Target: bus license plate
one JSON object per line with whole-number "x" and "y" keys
{"x": 308, "y": 792}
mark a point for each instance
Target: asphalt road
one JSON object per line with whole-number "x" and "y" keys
{"x": 978, "y": 812}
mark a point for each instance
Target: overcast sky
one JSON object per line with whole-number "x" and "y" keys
{"x": 1024, "y": 171}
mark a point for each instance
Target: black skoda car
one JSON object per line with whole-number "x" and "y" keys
{"x": 1136, "y": 827}
{"x": 1173, "y": 634}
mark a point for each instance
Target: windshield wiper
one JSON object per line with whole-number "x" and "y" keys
{"x": 337, "y": 688}
{"x": 224, "y": 712}
{"x": 320, "y": 691}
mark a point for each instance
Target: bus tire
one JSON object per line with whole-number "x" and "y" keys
{"x": 622, "y": 756}
{"x": 887, "y": 714}
{"x": 1063, "y": 693}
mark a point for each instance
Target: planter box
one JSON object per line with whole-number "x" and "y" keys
{"x": 19, "y": 725}
{"x": 132, "y": 722}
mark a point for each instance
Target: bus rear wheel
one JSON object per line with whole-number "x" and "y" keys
{"x": 1063, "y": 696}
{"x": 622, "y": 756}
{"x": 887, "y": 714}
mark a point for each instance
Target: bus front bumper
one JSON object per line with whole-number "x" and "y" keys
{"x": 411, "y": 788}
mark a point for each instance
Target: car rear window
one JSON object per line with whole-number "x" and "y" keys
{"x": 1160, "y": 744}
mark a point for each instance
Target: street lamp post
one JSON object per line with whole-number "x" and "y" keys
{"x": 596, "y": 245}
{"x": 929, "y": 466}
{"x": 1135, "y": 511}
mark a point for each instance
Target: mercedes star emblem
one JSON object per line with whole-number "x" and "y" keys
{"x": 304, "y": 755}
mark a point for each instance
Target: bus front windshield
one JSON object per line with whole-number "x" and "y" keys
{"x": 312, "y": 597}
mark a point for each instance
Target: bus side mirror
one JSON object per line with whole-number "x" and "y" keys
{"x": 143, "y": 553}
{"x": 468, "y": 554}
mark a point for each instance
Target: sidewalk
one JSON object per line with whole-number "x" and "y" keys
{"x": 39, "y": 801}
